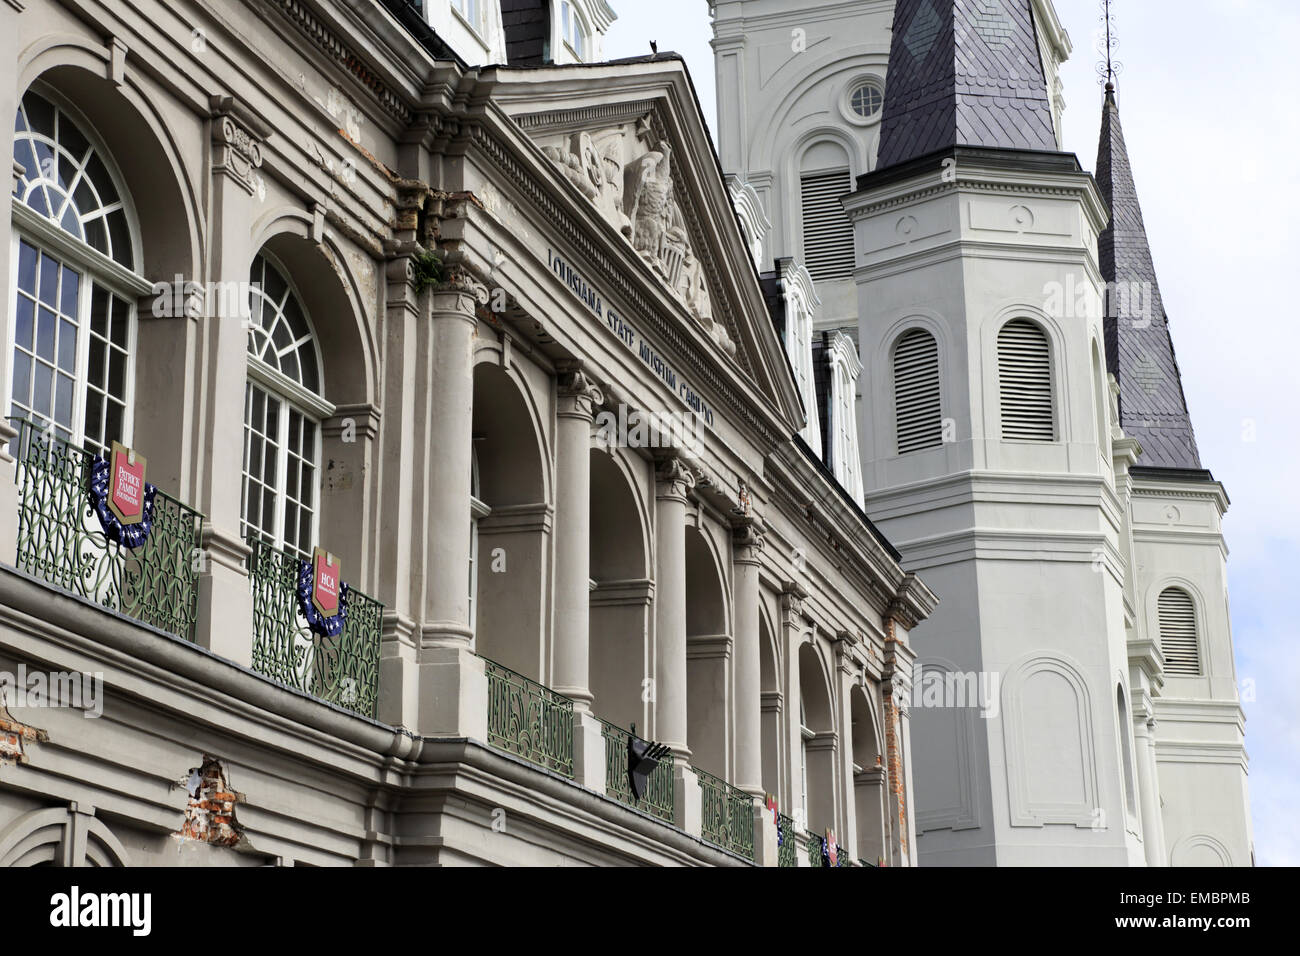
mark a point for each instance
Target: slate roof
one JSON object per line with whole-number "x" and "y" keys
{"x": 1139, "y": 348}
{"x": 964, "y": 73}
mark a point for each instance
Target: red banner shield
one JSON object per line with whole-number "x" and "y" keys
{"x": 326, "y": 571}
{"x": 126, "y": 484}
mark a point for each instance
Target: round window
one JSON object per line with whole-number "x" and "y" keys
{"x": 867, "y": 99}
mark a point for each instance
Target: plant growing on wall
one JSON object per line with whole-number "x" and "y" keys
{"x": 428, "y": 271}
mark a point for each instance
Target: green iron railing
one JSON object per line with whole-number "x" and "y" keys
{"x": 530, "y": 720}
{"x": 787, "y": 852}
{"x": 341, "y": 670}
{"x": 60, "y": 540}
{"x": 658, "y": 798}
{"x": 727, "y": 815}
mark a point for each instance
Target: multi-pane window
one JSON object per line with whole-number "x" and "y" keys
{"x": 282, "y": 410}
{"x": 575, "y": 35}
{"x": 73, "y": 319}
{"x": 469, "y": 10}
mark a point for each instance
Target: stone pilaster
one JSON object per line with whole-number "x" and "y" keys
{"x": 1144, "y": 741}
{"x": 225, "y": 613}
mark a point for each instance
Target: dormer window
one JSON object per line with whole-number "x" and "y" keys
{"x": 571, "y": 28}
{"x": 470, "y": 13}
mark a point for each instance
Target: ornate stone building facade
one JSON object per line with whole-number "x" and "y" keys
{"x": 491, "y": 338}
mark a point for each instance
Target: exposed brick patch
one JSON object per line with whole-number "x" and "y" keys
{"x": 893, "y": 755}
{"x": 210, "y": 815}
{"x": 14, "y": 736}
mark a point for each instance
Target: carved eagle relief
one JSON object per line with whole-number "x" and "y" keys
{"x": 628, "y": 175}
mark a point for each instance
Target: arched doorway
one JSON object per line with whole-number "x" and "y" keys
{"x": 708, "y": 657}
{"x": 817, "y": 739}
{"x": 620, "y": 604}
{"x": 512, "y": 563}
{"x": 868, "y": 785}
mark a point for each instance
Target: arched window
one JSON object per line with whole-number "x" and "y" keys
{"x": 825, "y": 177}
{"x": 478, "y": 510}
{"x": 1179, "y": 641}
{"x": 573, "y": 30}
{"x": 283, "y": 409}
{"x": 1126, "y": 750}
{"x": 76, "y": 284}
{"x": 1103, "y": 403}
{"x": 918, "y": 416}
{"x": 805, "y": 735}
{"x": 1025, "y": 383}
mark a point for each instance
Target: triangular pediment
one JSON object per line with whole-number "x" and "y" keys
{"x": 629, "y": 138}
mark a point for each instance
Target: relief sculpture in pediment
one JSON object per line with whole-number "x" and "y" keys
{"x": 629, "y": 178}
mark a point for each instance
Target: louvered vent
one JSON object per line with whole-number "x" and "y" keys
{"x": 1178, "y": 640}
{"x": 917, "y": 415}
{"x": 827, "y": 232}
{"x": 1025, "y": 379}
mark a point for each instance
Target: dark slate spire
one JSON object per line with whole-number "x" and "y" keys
{"x": 964, "y": 73}
{"x": 1139, "y": 350}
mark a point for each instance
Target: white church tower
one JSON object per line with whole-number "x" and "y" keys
{"x": 1081, "y": 573}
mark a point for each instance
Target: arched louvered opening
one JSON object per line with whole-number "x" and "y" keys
{"x": 824, "y": 179}
{"x": 1178, "y": 638}
{"x": 1025, "y": 383}
{"x": 918, "y": 416}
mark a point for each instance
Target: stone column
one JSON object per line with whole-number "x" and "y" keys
{"x": 747, "y": 541}
{"x": 453, "y": 323}
{"x": 674, "y": 482}
{"x": 578, "y": 397}
{"x": 453, "y": 690}
{"x": 225, "y": 611}
{"x": 1153, "y": 828}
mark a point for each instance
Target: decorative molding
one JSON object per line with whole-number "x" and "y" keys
{"x": 1027, "y": 809}
{"x": 616, "y": 278}
{"x": 237, "y": 137}
{"x": 674, "y": 480}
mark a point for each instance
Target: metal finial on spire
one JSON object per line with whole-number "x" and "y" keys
{"x": 1107, "y": 44}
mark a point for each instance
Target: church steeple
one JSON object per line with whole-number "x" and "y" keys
{"x": 1139, "y": 349}
{"x": 964, "y": 73}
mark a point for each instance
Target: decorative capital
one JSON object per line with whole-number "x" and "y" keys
{"x": 579, "y": 395}
{"x": 747, "y": 540}
{"x": 793, "y": 595}
{"x": 674, "y": 479}
{"x": 237, "y": 138}
{"x": 460, "y": 292}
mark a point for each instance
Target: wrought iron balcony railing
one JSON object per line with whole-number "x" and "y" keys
{"x": 341, "y": 670}
{"x": 787, "y": 851}
{"x": 60, "y": 540}
{"x": 727, "y": 815}
{"x": 530, "y": 720}
{"x": 658, "y": 798}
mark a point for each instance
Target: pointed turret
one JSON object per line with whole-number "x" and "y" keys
{"x": 964, "y": 73}
{"x": 1139, "y": 349}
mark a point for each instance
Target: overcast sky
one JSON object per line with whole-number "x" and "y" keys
{"x": 1207, "y": 98}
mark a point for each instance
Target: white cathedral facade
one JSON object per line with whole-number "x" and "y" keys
{"x": 1021, "y": 426}
{"x": 844, "y": 461}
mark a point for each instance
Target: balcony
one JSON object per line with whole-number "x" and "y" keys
{"x": 529, "y": 720}
{"x": 727, "y": 815}
{"x": 787, "y": 850}
{"x": 342, "y": 670}
{"x": 658, "y": 798}
{"x": 60, "y": 540}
